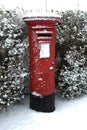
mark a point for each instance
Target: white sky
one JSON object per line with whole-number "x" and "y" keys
{"x": 41, "y": 4}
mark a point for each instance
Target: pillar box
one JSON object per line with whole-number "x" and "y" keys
{"x": 42, "y": 61}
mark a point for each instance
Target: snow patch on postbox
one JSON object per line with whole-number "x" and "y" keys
{"x": 41, "y": 16}
{"x": 36, "y": 94}
{"x": 51, "y": 68}
{"x": 40, "y": 79}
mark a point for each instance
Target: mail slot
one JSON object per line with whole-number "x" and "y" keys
{"x": 46, "y": 35}
{"x": 42, "y": 62}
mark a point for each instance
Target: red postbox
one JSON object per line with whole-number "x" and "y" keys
{"x": 42, "y": 61}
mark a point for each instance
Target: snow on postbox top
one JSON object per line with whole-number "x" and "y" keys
{"x": 41, "y": 18}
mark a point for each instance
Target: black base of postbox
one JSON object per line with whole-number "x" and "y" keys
{"x": 42, "y": 103}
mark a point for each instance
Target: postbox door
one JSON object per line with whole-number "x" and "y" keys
{"x": 43, "y": 67}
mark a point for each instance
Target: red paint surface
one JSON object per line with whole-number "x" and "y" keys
{"x": 42, "y": 70}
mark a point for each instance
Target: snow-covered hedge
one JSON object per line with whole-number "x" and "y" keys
{"x": 71, "y": 54}
{"x": 13, "y": 44}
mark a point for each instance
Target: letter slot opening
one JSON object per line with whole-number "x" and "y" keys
{"x": 46, "y": 35}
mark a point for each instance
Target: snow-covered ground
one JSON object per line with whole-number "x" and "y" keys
{"x": 69, "y": 115}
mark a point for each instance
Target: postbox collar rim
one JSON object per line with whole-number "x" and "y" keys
{"x": 39, "y": 18}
